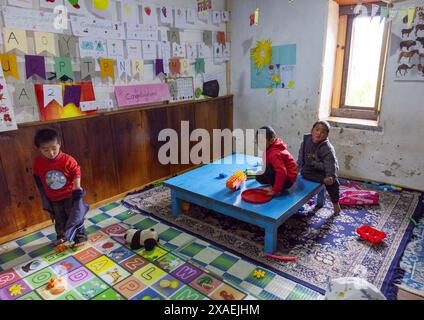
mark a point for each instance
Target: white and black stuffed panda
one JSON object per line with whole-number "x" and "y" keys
{"x": 138, "y": 239}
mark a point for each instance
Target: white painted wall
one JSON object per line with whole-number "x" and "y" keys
{"x": 395, "y": 155}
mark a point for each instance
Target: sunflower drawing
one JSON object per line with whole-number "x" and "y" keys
{"x": 261, "y": 55}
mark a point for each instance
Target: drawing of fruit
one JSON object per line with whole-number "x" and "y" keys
{"x": 107, "y": 245}
{"x": 164, "y": 12}
{"x": 101, "y": 5}
{"x": 148, "y": 10}
{"x": 205, "y": 282}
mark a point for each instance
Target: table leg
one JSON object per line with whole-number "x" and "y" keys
{"x": 321, "y": 198}
{"x": 270, "y": 238}
{"x": 176, "y": 204}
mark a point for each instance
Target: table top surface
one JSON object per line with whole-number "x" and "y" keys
{"x": 204, "y": 181}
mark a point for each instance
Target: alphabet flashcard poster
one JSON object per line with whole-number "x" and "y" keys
{"x": 129, "y": 11}
{"x": 180, "y": 18}
{"x": 191, "y": 16}
{"x": 191, "y": 49}
{"x": 216, "y": 17}
{"x": 88, "y": 27}
{"x": 149, "y": 14}
{"x": 94, "y": 48}
{"x": 133, "y": 49}
{"x": 164, "y": 50}
{"x": 115, "y": 49}
{"x": 142, "y": 32}
{"x": 149, "y": 50}
{"x": 166, "y": 15}
{"x": 178, "y": 50}
{"x": 7, "y": 115}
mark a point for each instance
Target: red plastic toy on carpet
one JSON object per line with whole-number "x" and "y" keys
{"x": 255, "y": 196}
{"x": 371, "y": 234}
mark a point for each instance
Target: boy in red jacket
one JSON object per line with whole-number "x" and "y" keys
{"x": 280, "y": 166}
{"x": 57, "y": 175}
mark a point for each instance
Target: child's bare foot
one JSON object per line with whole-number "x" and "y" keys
{"x": 337, "y": 208}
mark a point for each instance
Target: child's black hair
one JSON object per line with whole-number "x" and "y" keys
{"x": 269, "y": 132}
{"x": 45, "y": 135}
{"x": 324, "y": 123}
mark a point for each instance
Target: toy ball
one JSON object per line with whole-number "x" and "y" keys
{"x": 236, "y": 180}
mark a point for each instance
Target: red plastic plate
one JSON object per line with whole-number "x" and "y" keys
{"x": 255, "y": 196}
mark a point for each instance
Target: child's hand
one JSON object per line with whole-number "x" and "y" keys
{"x": 328, "y": 181}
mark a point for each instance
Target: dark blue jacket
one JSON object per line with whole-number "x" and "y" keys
{"x": 76, "y": 218}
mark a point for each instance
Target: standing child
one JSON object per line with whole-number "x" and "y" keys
{"x": 58, "y": 177}
{"x": 280, "y": 169}
{"x": 317, "y": 161}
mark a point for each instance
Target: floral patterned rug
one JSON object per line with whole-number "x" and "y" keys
{"x": 326, "y": 246}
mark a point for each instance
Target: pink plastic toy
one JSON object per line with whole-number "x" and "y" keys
{"x": 359, "y": 197}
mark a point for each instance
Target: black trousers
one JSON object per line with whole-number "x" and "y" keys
{"x": 318, "y": 176}
{"x": 62, "y": 211}
{"x": 268, "y": 177}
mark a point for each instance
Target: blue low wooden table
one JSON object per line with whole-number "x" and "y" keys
{"x": 203, "y": 187}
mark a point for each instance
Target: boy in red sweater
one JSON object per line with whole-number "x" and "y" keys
{"x": 280, "y": 166}
{"x": 57, "y": 174}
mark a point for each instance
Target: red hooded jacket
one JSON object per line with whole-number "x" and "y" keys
{"x": 283, "y": 163}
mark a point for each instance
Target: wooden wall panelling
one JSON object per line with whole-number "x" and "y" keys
{"x": 154, "y": 120}
{"x": 89, "y": 141}
{"x": 206, "y": 117}
{"x": 130, "y": 139}
{"x": 17, "y": 155}
{"x": 175, "y": 116}
{"x": 7, "y": 221}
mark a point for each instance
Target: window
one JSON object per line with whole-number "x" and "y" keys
{"x": 360, "y": 61}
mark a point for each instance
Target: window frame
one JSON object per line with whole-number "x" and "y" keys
{"x": 338, "y": 107}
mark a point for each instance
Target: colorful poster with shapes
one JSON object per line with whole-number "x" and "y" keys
{"x": 9, "y": 65}
{"x": 180, "y": 17}
{"x": 142, "y": 32}
{"x": 225, "y": 16}
{"x": 178, "y": 50}
{"x": 31, "y": 20}
{"x": 149, "y": 14}
{"x": 164, "y": 50}
{"x": 217, "y": 50}
{"x": 21, "y": 3}
{"x": 207, "y": 38}
{"x": 97, "y": 28}
{"x": 131, "y": 95}
{"x": 185, "y": 66}
{"x": 63, "y": 68}
{"x": 203, "y": 16}
{"x": 191, "y": 16}
{"x": 35, "y": 65}
{"x": 44, "y": 43}
{"x": 137, "y": 68}
{"x": 87, "y": 68}
{"x": 226, "y": 53}
{"x": 93, "y": 48}
{"x": 15, "y": 39}
{"x": 174, "y": 35}
{"x": 115, "y": 49}
{"x": 129, "y": 11}
{"x": 133, "y": 49}
{"x": 288, "y": 77}
{"x": 50, "y": 4}
{"x": 7, "y": 115}
{"x": 181, "y": 89}
{"x": 76, "y": 6}
{"x": 106, "y": 68}
{"x": 163, "y": 35}
{"x": 149, "y": 50}
{"x": 103, "y": 9}
{"x": 124, "y": 68}
{"x": 166, "y": 16}
{"x": 216, "y": 17}
{"x": 284, "y": 55}
{"x": 67, "y": 45}
{"x": 52, "y": 93}
{"x": 191, "y": 49}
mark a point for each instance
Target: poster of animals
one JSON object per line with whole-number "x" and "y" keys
{"x": 409, "y": 43}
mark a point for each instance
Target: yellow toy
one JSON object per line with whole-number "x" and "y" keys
{"x": 236, "y": 180}
{"x": 259, "y": 274}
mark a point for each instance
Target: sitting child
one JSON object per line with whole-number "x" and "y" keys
{"x": 317, "y": 161}
{"x": 280, "y": 169}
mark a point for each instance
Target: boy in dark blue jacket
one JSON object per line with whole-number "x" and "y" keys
{"x": 317, "y": 161}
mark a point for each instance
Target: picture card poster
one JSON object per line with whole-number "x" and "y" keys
{"x": 7, "y": 115}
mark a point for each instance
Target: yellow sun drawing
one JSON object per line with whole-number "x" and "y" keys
{"x": 261, "y": 55}
{"x": 101, "y": 4}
